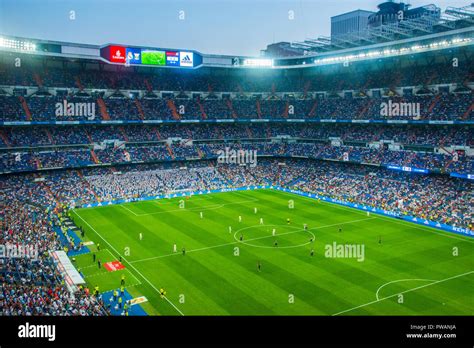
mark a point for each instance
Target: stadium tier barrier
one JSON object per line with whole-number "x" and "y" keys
{"x": 258, "y": 120}
{"x": 391, "y": 214}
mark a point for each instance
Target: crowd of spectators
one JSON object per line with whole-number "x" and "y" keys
{"x": 76, "y": 157}
{"x": 450, "y": 107}
{"x": 365, "y": 76}
{"x": 420, "y": 135}
{"x": 31, "y": 203}
{"x": 437, "y": 197}
{"x": 32, "y": 284}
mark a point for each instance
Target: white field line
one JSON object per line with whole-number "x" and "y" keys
{"x": 404, "y": 292}
{"x": 95, "y": 264}
{"x": 167, "y": 201}
{"x": 106, "y": 272}
{"x": 90, "y": 266}
{"x": 131, "y": 211}
{"x": 249, "y": 240}
{"x": 146, "y": 279}
{"x": 428, "y": 229}
{"x": 394, "y": 220}
{"x": 399, "y": 281}
{"x": 204, "y": 208}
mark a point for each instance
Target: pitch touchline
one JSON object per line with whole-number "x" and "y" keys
{"x": 249, "y": 240}
{"x": 93, "y": 229}
{"x": 404, "y": 292}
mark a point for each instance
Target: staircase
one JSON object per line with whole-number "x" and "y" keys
{"x": 231, "y": 108}
{"x": 287, "y": 107}
{"x": 365, "y": 108}
{"x": 170, "y": 152}
{"x": 312, "y": 112}
{"x": 431, "y": 78}
{"x": 94, "y": 157}
{"x": 38, "y": 79}
{"x": 190, "y": 134}
{"x": 307, "y": 86}
{"x": 78, "y": 83}
{"x": 201, "y": 108}
{"x": 88, "y": 136}
{"x": 468, "y": 111}
{"x": 433, "y": 103}
{"x": 140, "y": 109}
{"x": 124, "y": 134}
{"x": 103, "y": 109}
{"x": 4, "y": 137}
{"x": 50, "y": 137}
{"x": 38, "y": 163}
{"x": 249, "y": 132}
{"x": 26, "y": 109}
{"x": 200, "y": 153}
{"x": 157, "y": 132}
{"x": 172, "y": 107}
{"x": 148, "y": 85}
{"x": 267, "y": 131}
{"x": 48, "y": 189}
{"x": 79, "y": 174}
{"x": 259, "y": 111}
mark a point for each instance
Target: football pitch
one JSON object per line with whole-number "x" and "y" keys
{"x": 344, "y": 263}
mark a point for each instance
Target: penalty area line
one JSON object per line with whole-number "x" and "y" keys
{"x": 403, "y": 292}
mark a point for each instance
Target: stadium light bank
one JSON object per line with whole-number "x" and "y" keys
{"x": 258, "y": 63}
{"x": 20, "y": 45}
{"x": 394, "y": 52}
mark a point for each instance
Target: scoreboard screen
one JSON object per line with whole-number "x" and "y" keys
{"x": 145, "y": 56}
{"x": 150, "y": 57}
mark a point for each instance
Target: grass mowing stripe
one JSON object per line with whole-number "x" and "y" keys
{"x": 248, "y": 240}
{"x": 404, "y": 292}
{"x": 321, "y": 285}
{"x": 393, "y": 220}
{"x": 123, "y": 258}
{"x": 204, "y": 208}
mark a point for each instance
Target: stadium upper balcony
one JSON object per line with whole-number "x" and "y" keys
{"x": 38, "y": 81}
{"x": 429, "y": 108}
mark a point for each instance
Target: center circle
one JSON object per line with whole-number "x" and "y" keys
{"x": 271, "y": 236}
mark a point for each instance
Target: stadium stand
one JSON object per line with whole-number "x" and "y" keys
{"x": 152, "y": 133}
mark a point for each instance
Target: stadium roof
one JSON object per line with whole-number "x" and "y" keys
{"x": 428, "y": 23}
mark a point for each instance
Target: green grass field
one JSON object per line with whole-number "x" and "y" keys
{"x": 407, "y": 269}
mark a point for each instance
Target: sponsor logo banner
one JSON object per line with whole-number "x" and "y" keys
{"x": 113, "y": 266}
{"x": 186, "y": 59}
{"x": 117, "y": 54}
{"x": 138, "y": 300}
{"x": 134, "y": 55}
